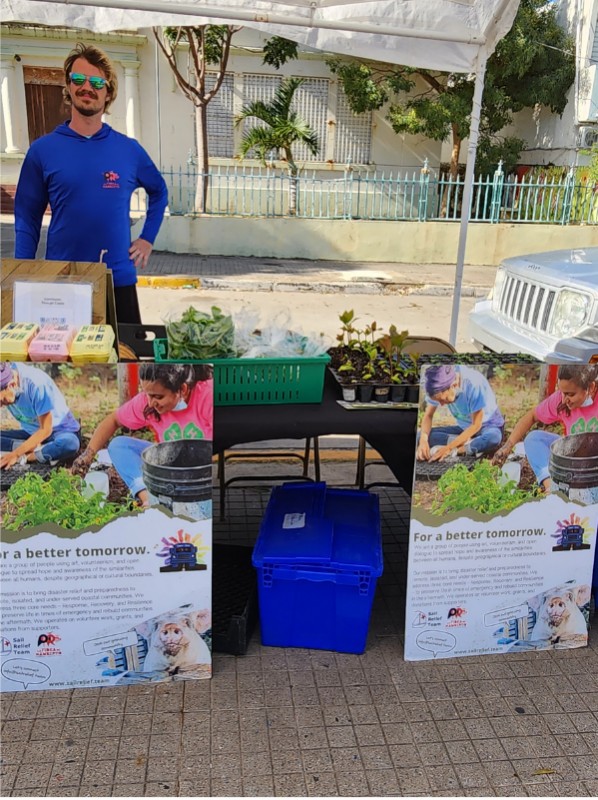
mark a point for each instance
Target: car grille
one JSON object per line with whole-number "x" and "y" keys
{"x": 528, "y": 303}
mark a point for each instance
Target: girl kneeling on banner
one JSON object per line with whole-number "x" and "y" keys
{"x": 574, "y": 404}
{"x": 175, "y": 402}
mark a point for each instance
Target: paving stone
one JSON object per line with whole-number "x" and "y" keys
{"x": 353, "y": 784}
{"x": 294, "y": 722}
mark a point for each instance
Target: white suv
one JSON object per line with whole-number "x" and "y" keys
{"x": 545, "y": 304}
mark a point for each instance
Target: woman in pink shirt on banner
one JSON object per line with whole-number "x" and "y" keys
{"x": 175, "y": 401}
{"x": 574, "y": 404}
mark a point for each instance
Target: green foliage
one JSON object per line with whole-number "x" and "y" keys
{"x": 365, "y": 89}
{"x": 478, "y": 489}
{"x": 31, "y": 500}
{"x": 533, "y": 65}
{"x": 592, "y": 169}
{"x": 198, "y": 335}
{"x": 69, "y": 371}
{"x": 491, "y": 150}
{"x": 210, "y": 39}
{"x": 277, "y": 51}
{"x": 282, "y": 127}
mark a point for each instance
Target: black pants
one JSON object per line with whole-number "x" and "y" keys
{"x": 127, "y": 305}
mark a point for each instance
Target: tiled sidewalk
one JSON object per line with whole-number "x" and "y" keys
{"x": 289, "y": 722}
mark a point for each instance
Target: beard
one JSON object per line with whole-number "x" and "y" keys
{"x": 87, "y": 110}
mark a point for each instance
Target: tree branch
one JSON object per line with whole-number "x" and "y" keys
{"x": 170, "y": 55}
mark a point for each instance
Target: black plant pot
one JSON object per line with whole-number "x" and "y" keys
{"x": 412, "y": 394}
{"x": 365, "y": 392}
{"x": 397, "y": 393}
{"x": 381, "y": 394}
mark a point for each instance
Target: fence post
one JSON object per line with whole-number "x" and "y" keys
{"x": 424, "y": 183}
{"x": 568, "y": 197}
{"x": 348, "y": 193}
{"x": 497, "y": 186}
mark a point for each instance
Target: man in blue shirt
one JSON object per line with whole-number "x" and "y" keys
{"x": 48, "y": 431}
{"x": 87, "y": 172}
{"x": 469, "y": 397}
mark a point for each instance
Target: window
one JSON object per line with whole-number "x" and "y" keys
{"x": 312, "y": 101}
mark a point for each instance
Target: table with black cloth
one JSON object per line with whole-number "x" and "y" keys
{"x": 391, "y": 432}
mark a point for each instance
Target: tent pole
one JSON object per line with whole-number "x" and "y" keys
{"x": 468, "y": 189}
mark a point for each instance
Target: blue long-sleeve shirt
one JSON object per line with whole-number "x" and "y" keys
{"x": 88, "y": 183}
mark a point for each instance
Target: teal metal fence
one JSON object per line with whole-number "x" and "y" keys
{"x": 359, "y": 194}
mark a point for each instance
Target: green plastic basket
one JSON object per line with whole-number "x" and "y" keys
{"x": 260, "y": 381}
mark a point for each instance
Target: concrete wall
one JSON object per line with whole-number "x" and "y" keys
{"x": 362, "y": 240}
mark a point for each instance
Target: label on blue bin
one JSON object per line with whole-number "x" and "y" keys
{"x": 295, "y": 520}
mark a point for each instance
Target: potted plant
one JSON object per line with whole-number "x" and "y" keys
{"x": 366, "y": 389}
{"x": 391, "y": 345}
{"x": 411, "y": 373}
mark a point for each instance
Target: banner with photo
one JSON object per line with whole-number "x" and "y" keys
{"x": 503, "y": 528}
{"x": 106, "y": 544}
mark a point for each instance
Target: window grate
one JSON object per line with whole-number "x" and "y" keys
{"x": 220, "y": 118}
{"x": 353, "y": 136}
{"x": 311, "y": 104}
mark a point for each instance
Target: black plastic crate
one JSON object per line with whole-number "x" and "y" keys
{"x": 433, "y": 470}
{"x": 234, "y": 598}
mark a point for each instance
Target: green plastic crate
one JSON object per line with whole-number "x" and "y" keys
{"x": 260, "y": 381}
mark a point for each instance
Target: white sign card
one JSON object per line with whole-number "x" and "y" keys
{"x": 509, "y": 579}
{"x": 53, "y": 302}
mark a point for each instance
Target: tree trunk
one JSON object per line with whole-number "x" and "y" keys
{"x": 203, "y": 167}
{"x": 293, "y": 180}
{"x": 453, "y": 173}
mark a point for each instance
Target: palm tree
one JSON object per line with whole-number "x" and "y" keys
{"x": 282, "y": 128}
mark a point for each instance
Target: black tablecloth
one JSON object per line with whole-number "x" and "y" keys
{"x": 390, "y": 432}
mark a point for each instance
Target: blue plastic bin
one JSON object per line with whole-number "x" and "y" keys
{"x": 318, "y": 555}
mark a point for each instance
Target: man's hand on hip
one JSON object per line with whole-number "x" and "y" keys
{"x": 140, "y": 252}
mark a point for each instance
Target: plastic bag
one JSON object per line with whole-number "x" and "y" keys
{"x": 276, "y": 339}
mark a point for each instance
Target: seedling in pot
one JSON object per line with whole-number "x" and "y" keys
{"x": 391, "y": 345}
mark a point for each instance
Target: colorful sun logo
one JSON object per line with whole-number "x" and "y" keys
{"x": 573, "y": 530}
{"x": 182, "y": 538}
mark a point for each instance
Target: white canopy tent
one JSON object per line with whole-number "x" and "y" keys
{"x": 450, "y": 35}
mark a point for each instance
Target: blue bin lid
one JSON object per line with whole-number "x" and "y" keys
{"x": 293, "y": 528}
{"x": 306, "y": 523}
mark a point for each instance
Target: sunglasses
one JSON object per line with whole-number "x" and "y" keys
{"x": 78, "y": 78}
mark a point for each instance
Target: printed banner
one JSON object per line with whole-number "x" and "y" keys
{"x": 503, "y": 528}
{"x": 106, "y": 545}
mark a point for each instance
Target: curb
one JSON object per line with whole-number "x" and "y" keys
{"x": 236, "y": 284}
{"x": 169, "y": 281}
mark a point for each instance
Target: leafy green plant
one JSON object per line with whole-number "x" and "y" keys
{"x": 198, "y": 335}
{"x": 31, "y": 500}
{"x": 347, "y": 319}
{"x": 478, "y": 489}
{"x": 391, "y": 344}
{"x": 69, "y": 371}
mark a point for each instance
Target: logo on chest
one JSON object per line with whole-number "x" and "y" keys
{"x": 111, "y": 179}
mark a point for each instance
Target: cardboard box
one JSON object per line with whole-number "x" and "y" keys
{"x": 103, "y": 305}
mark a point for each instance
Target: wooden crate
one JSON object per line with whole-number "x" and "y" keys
{"x": 68, "y": 271}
